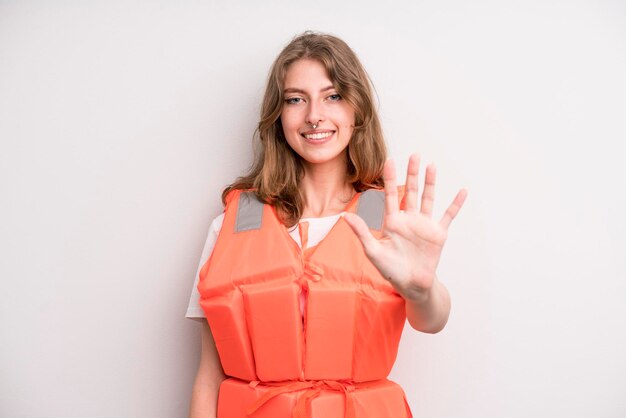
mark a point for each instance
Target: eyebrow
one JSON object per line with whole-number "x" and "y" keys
{"x": 296, "y": 90}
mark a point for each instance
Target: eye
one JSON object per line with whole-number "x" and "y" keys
{"x": 334, "y": 97}
{"x": 293, "y": 100}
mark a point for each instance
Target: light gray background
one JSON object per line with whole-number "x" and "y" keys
{"x": 121, "y": 121}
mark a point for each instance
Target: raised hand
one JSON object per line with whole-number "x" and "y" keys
{"x": 410, "y": 248}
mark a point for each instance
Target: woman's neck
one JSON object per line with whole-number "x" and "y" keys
{"x": 325, "y": 191}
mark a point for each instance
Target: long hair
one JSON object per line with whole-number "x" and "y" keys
{"x": 276, "y": 171}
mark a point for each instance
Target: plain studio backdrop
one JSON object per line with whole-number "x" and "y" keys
{"x": 121, "y": 122}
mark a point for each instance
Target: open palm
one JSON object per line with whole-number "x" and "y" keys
{"x": 409, "y": 250}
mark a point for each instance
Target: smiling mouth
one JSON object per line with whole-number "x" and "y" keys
{"x": 318, "y": 135}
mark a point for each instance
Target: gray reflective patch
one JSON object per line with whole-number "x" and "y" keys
{"x": 372, "y": 208}
{"x": 249, "y": 212}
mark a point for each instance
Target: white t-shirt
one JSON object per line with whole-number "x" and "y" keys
{"x": 318, "y": 228}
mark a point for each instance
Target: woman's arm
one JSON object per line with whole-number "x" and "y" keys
{"x": 429, "y": 312}
{"x": 208, "y": 379}
{"x": 410, "y": 248}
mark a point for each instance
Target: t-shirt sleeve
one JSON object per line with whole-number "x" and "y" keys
{"x": 194, "y": 311}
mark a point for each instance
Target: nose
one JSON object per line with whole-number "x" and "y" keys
{"x": 314, "y": 114}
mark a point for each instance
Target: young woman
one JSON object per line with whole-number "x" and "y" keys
{"x": 319, "y": 257}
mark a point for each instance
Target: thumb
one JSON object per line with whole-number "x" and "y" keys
{"x": 362, "y": 231}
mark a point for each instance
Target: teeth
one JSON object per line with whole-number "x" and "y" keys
{"x": 318, "y": 136}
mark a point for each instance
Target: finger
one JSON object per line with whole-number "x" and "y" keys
{"x": 453, "y": 209}
{"x": 391, "y": 190}
{"x": 362, "y": 231}
{"x": 428, "y": 196}
{"x": 412, "y": 186}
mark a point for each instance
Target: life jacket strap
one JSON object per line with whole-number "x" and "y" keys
{"x": 371, "y": 208}
{"x": 312, "y": 389}
{"x": 249, "y": 212}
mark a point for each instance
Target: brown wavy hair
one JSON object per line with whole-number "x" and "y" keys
{"x": 277, "y": 169}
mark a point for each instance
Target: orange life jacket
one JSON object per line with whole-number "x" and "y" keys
{"x": 329, "y": 361}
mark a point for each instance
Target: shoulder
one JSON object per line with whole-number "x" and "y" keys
{"x": 400, "y": 191}
{"x": 216, "y": 224}
{"x": 234, "y": 194}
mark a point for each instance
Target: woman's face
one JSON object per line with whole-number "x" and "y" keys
{"x": 311, "y": 99}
